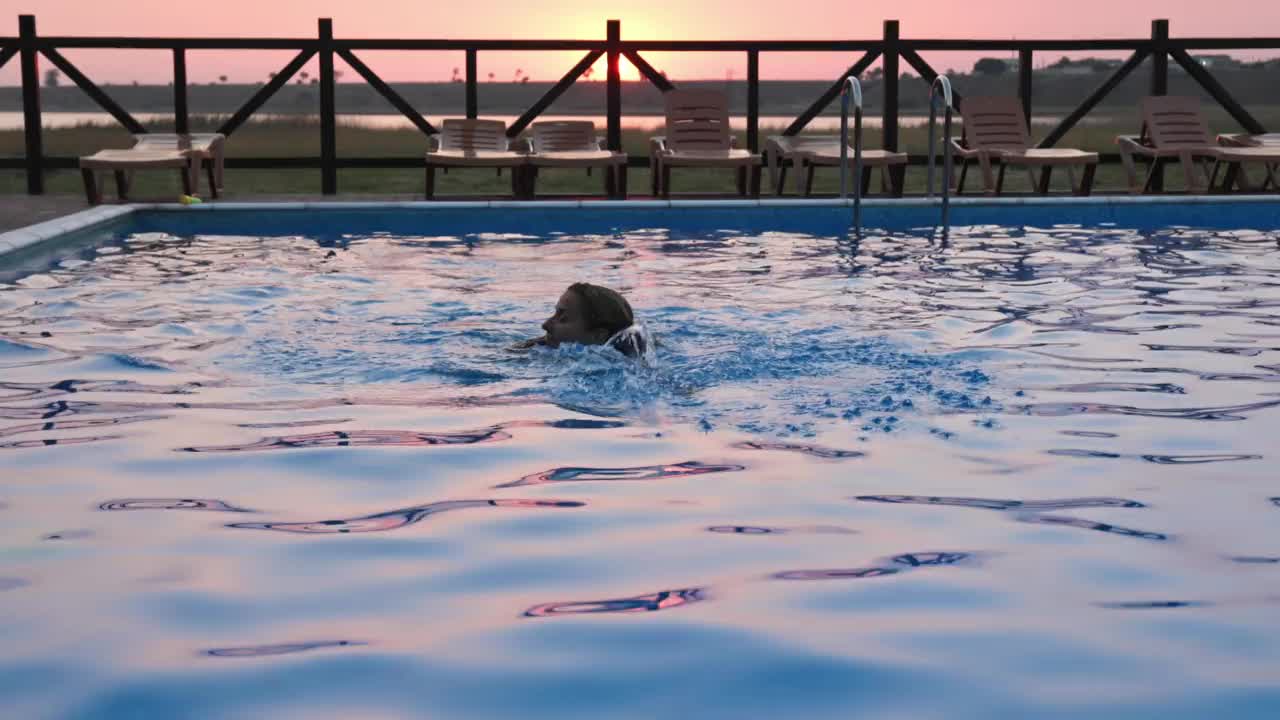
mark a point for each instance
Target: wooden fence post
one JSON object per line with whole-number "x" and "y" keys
{"x": 328, "y": 113}
{"x": 889, "y": 113}
{"x": 31, "y": 120}
{"x": 1159, "y": 82}
{"x": 1024, "y": 82}
{"x": 753, "y": 100}
{"x": 181, "y": 116}
{"x": 613, "y": 35}
{"x": 473, "y": 104}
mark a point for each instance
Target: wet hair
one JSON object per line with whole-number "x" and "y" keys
{"x": 607, "y": 310}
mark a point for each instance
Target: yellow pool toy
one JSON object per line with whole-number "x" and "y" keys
{"x": 189, "y": 200}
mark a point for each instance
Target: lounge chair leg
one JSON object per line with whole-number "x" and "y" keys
{"x": 610, "y": 183}
{"x": 742, "y": 180}
{"x": 1230, "y": 177}
{"x": 122, "y": 185}
{"x": 866, "y": 181}
{"x": 1155, "y": 181}
{"x": 213, "y": 181}
{"x": 90, "y": 187}
{"x": 431, "y": 182}
{"x": 1130, "y": 169}
{"x": 1000, "y": 179}
{"x": 808, "y": 179}
{"x": 185, "y": 174}
{"x": 755, "y": 181}
{"x": 898, "y": 176}
{"x": 655, "y": 175}
{"x": 1045, "y": 173}
{"x": 666, "y": 181}
{"x": 621, "y": 170}
{"x": 1086, "y": 182}
{"x": 989, "y": 185}
{"x": 964, "y": 170}
{"x": 782, "y": 179}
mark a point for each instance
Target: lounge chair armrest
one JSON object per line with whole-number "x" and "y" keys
{"x": 433, "y": 143}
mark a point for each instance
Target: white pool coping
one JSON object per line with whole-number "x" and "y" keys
{"x": 31, "y": 235}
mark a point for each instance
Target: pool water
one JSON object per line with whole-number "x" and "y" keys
{"x": 255, "y": 466}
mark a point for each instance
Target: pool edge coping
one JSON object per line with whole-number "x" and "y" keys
{"x": 32, "y": 235}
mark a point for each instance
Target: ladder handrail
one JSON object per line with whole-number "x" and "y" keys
{"x": 852, "y": 88}
{"x": 941, "y": 89}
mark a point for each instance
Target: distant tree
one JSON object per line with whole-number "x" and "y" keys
{"x": 51, "y": 77}
{"x": 490, "y": 77}
{"x": 456, "y": 76}
{"x": 524, "y": 80}
{"x": 519, "y": 72}
{"x": 315, "y": 81}
{"x": 876, "y": 74}
{"x": 222, "y": 78}
{"x": 1062, "y": 62}
{"x": 992, "y": 67}
{"x": 337, "y": 75}
{"x": 588, "y": 72}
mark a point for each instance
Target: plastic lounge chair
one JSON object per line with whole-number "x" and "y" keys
{"x": 210, "y": 147}
{"x": 995, "y": 129}
{"x": 469, "y": 143}
{"x": 1266, "y": 140}
{"x": 573, "y": 144}
{"x": 807, "y": 152}
{"x": 123, "y": 163}
{"x": 698, "y": 136}
{"x": 1174, "y": 128}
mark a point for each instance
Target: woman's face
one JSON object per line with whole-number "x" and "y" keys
{"x": 569, "y": 323}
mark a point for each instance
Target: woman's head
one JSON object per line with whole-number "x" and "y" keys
{"x": 588, "y": 314}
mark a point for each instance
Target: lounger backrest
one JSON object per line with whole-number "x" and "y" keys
{"x": 471, "y": 135}
{"x": 1172, "y": 122}
{"x": 564, "y": 135}
{"x": 994, "y": 123}
{"x": 697, "y": 120}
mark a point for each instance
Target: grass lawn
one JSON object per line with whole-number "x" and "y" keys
{"x": 301, "y": 138}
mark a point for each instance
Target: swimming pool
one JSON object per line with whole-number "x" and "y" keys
{"x": 281, "y": 462}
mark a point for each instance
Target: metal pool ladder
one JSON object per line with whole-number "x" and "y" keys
{"x": 852, "y": 89}
{"x": 941, "y": 90}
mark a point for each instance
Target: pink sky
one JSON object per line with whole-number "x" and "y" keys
{"x": 641, "y": 19}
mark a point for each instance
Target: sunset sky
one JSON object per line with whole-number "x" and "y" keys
{"x": 648, "y": 19}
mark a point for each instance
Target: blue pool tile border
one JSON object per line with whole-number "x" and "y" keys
{"x": 32, "y": 235}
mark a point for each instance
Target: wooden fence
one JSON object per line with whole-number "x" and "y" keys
{"x": 892, "y": 49}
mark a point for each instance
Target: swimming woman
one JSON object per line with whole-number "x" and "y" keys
{"x": 592, "y": 315}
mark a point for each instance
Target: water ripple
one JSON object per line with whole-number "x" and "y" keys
{"x": 643, "y": 472}
{"x": 997, "y": 504}
{"x": 171, "y": 504}
{"x": 394, "y": 519}
{"x": 649, "y": 602}
{"x": 279, "y": 649}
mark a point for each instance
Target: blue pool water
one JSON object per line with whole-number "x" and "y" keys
{"x": 284, "y": 464}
